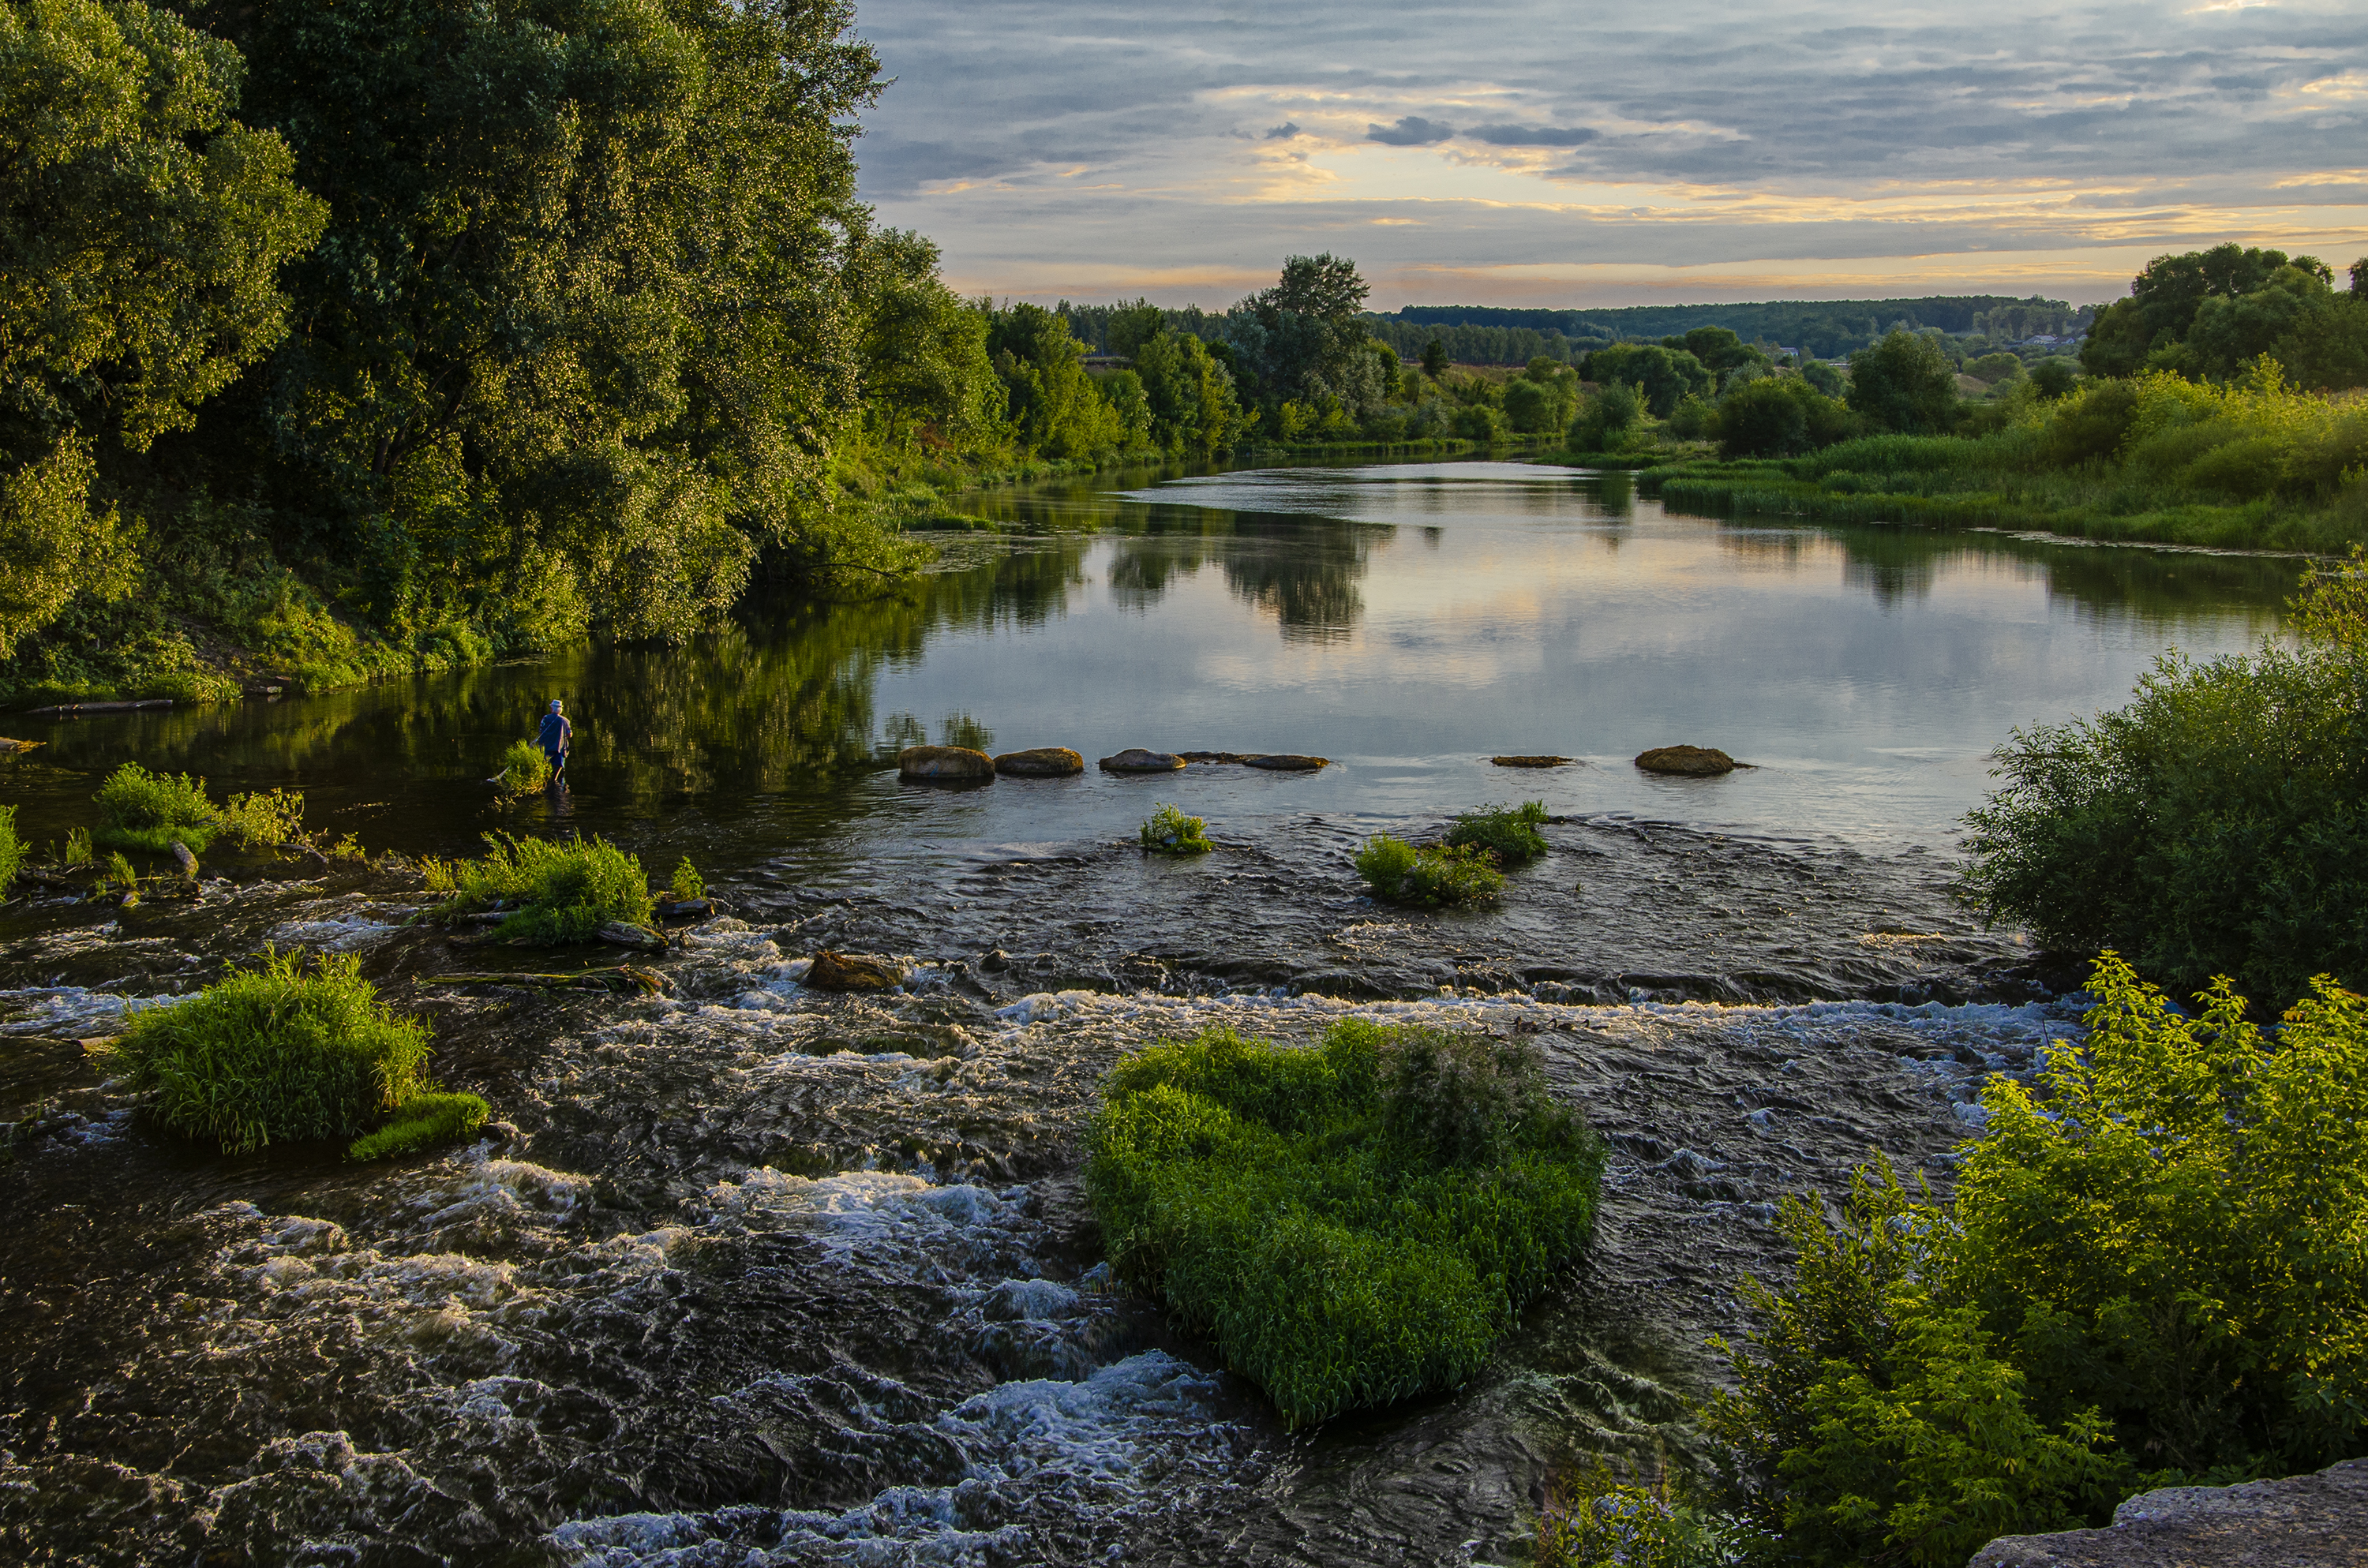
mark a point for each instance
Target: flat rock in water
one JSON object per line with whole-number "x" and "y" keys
{"x": 944, "y": 765}
{"x": 1533, "y": 761}
{"x": 1039, "y": 762}
{"x": 1213, "y": 756}
{"x": 1134, "y": 759}
{"x": 853, "y": 972}
{"x": 7, "y": 745}
{"x": 1692, "y": 762}
{"x": 1286, "y": 762}
{"x": 2304, "y": 1521}
{"x": 624, "y": 934}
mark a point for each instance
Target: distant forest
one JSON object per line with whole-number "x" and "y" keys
{"x": 1827, "y": 328}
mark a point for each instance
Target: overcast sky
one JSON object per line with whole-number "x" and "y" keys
{"x": 1584, "y": 154}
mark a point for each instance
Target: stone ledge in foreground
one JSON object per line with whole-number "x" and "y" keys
{"x": 2304, "y": 1521}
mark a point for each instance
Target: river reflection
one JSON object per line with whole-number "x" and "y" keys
{"x": 1407, "y": 620}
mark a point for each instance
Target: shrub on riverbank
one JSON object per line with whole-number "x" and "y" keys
{"x": 2218, "y": 824}
{"x": 568, "y": 888}
{"x": 1432, "y": 876}
{"x": 2154, "y": 1271}
{"x": 281, "y": 1052}
{"x": 260, "y": 819}
{"x": 1351, "y": 1224}
{"x": 1168, "y": 831}
{"x": 140, "y": 810}
{"x": 12, "y": 849}
{"x": 1510, "y": 832}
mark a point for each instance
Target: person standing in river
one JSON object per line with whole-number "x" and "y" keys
{"x": 556, "y": 736}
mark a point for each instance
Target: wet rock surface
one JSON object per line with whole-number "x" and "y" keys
{"x": 1687, "y": 762}
{"x": 1136, "y": 759}
{"x": 2305, "y": 1522}
{"x": 1039, "y": 762}
{"x": 768, "y": 1273}
{"x": 945, "y": 765}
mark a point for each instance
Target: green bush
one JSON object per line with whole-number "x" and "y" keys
{"x": 140, "y": 810}
{"x": 277, "y": 1052}
{"x": 2218, "y": 824}
{"x": 1598, "y": 1521}
{"x": 1510, "y": 832}
{"x": 258, "y": 818}
{"x": 78, "y": 851}
{"x": 1168, "y": 831}
{"x": 12, "y": 849}
{"x": 687, "y": 883}
{"x": 568, "y": 888}
{"x": 422, "y": 1122}
{"x": 1432, "y": 876}
{"x": 2155, "y": 1271}
{"x": 1351, "y": 1224}
{"x": 525, "y": 770}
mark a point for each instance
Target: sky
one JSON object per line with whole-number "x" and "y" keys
{"x": 1580, "y": 154}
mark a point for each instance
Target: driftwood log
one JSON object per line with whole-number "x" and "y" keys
{"x": 70, "y": 707}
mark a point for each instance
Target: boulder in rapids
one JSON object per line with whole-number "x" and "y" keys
{"x": 1286, "y": 762}
{"x": 853, "y": 972}
{"x": 944, "y": 765}
{"x": 624, "y": 934}
{"x": 1690, "y": 762}
{"x": 1134, "y": 759}
{"x": 1039, "y": 762}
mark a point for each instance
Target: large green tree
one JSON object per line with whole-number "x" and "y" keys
{"x": 2166, "y": 298}
{"x": 1662, "y": 374}
{"x": 142, "y": 228}
{"x": 577, "y": 341}
{"x": 1904, "y": 384}
{"x": 1194, "y": 410}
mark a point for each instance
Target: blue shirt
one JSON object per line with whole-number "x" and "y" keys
{"x": 556, "y": 732}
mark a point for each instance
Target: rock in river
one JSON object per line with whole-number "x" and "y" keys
{"x": 1693, "y": 762}
{"x": 1541, "y": 761}
{"x": 944, "y": 765}
{"x": 2301, "y": 1522}
{"x": 624, "y": 934}
{"x": 1134, "y": 759}
{"x": 1039, "y": 762}
{"x": 853, "y": 972}
{"x": 1286, "y": 762}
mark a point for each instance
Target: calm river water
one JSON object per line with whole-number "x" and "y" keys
{"x": 766, "y": 1276}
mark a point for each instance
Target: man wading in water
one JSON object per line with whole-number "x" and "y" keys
{"x": 555, "y": 736}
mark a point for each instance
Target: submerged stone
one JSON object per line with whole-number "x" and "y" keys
{"x": 1536, "y": 761}
{"x": 1286, "y": 761}
{"x": 944, "y": 765}
{"x": 1039, "y": 762}
{"x": 1690, "y": 762}
{"x": 853, "y": 972}
{"x": 624, "y": 934}
{"x": 1134, "y": 759}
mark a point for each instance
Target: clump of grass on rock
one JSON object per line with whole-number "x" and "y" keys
{"x": 1510, "y": 832}
{"x": 284, "y": 1052}
{"x": 140, "y": 810}
{"x": 1168, "y": 831}
{"x": 1351, "y": 1224}
{"x": 525, "y": 769}
{"x": 568, "y": 888}
{"x": 1431, "y": 877}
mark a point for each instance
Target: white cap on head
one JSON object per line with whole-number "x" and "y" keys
{"x": 554, "y": 705}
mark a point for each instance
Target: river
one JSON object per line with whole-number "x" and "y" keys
{"x": 767, "y": 1276}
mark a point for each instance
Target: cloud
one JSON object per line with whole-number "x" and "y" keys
{"x": 1531, "y": 135}
{"x": 1824, "y": 137}
{"x": 1411, "y": 130}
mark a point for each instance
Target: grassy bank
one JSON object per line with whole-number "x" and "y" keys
{"x": 2248, "y": 465}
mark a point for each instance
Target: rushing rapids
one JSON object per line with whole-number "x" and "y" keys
{"x": 747, "y": 1273}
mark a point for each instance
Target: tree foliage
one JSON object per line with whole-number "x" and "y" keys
{"x": 1904, "y": 384}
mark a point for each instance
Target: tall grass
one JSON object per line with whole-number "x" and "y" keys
{"x": 1433, "y": 876}
{"x": 1351, "y": 1224}
{"x": 1167, "y": 830}
{"x": 140, "y": 810}
{"x": 568, "y": 888}
{"x": 263, "y": 819}
{"x": 1510, "y": 832}
{"x": 524, "y": 770}
{"x": 2250, "y": 462}
{"x": 277, "y": 1052}
{"x": 12, "y": 849}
